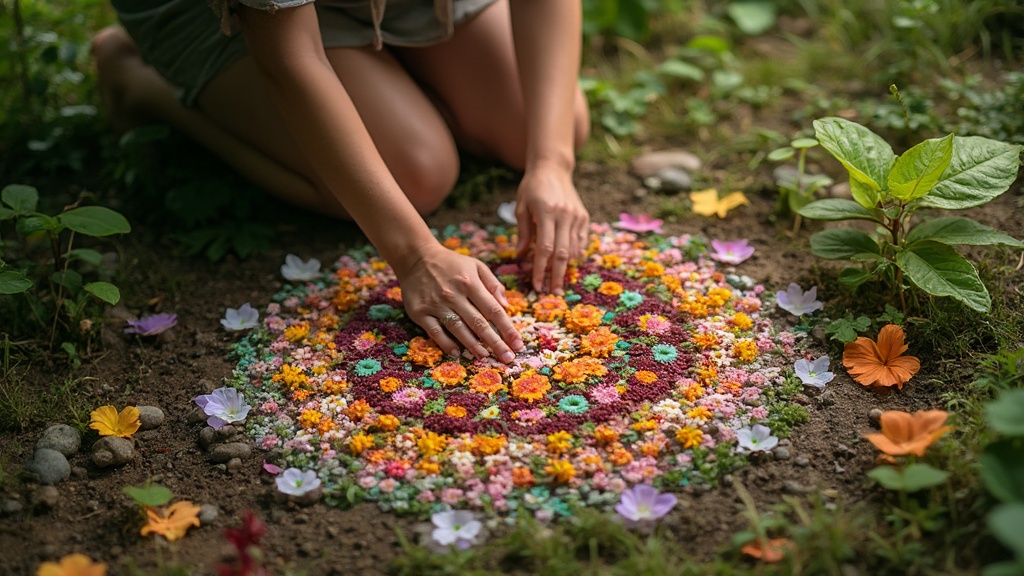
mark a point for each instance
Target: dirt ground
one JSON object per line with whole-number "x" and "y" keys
{"x": 92, "y": 516}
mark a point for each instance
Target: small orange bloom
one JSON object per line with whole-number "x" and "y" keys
{"x": 689, "y": 437}
{"x": 881, "y": 363}
{"x": 388, "y": 423}
{"x": 561, "y": 471}
{"x": 449, "y": 373}
{"x": 599, "y": 343}
{"x": 583, "y": 318}
{"x": 296, "y": 332}
{"x": 109, "y": 422}
{"x": 173, "y": 524}
{"x": 745, "y": 349}
{"x": 357, "y": 410}
{"x": 423, "y": 352}
{"x": 531, "y": 386}
{"x": 620, "y": 456}
{"x": 610, "y": 288}
{"x": 73, "y": 565}
{"x": 359, "y": 442}
{"x": 549, "y": 308}
{"x": 517, "y": 303}
{"x": 394, "y": 293}
{"x": 771, "y": 550}
{"x": 486, "y": 381}
{"x": 604, "y": 435}
{"x": 455, "y": 411}
{"x": 646, "y": 376}
{"x": 522, "y": 477}
{"x": 389, "y": 384}
{"x": 904, "y": 433}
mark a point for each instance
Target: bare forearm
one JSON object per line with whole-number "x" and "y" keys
{"x": 547, "y": 37}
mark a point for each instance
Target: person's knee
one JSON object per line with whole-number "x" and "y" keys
{"x": 427, "y": 175}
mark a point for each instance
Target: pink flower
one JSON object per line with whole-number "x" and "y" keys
{"x": 152, "y": 325}
{"x": 604, "y": 394}
{"x": 731, "y": 251}
{"x": 639, "y": 223}
{"x": 643, "y": 505}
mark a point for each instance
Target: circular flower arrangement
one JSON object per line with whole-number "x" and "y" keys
{"x": 641, "y": 371}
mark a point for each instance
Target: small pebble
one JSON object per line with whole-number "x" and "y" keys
{"x": 62, "y": 438}
{"x": 782, "y": 453}
{"x": 224, "y": 433}
{"x": 222, "y": 453}
{"x": 801, "y": 461}
{"x": 793, "y": 487}
{"x": 206, "y": 437}
{"x": 651, "y": 163}
{"x": 784, "y": 442}
{"x": 674, "y": 180}
{"x": 826, "y": 398}
{"x": 150, "y": 417}
{"x": 875, "y": 416}
{"x": 49, "y": 466}
{"x": 111, "y": 451}
{"x": 79, "y": 473}
{"x": 10, "y": 506}
{"x": 45, "y": 498}
{"x": 116, "y": 551}
{"x": 234, "y": 465}
{"x": 207, "y": 514}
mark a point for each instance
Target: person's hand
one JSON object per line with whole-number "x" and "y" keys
{"x": 456, "y": 298}
{"x": 552, "y": 217}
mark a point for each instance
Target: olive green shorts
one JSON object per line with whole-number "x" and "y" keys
{"x": 184, "y": 42}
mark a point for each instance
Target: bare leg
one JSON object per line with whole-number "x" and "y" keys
{"x": 481, "y": 95}
{"x": 237, "y": 121}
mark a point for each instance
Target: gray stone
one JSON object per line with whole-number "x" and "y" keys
{"x": 198, "y": 416}
{"x": 793, "y": 487}
{"x": 207, "y": 514}
{"x": 206, "y": 437}
{"x": 10, "y": 506}
{"x": 875, "y": 416}
{"x": 150, "y": 417}
{"x": 802, "y": 461}
{"x": 111, "y": 451}
{"x": 826, "y": 398}
{"x": 224, "y": 433}
{"x": 49, "y": 466}
{"x": 673, "y": 180}
{"x": 647, "y": 165}
{"x": 782, "y": 453}
{"x": 234, "y": 465}
{"x": 45, "y": 498}
{"x": 309, "y": 498}
{"x": 62, "y": 438}
{"x": 223, "y": 453}
{"x": 79, "y": 473}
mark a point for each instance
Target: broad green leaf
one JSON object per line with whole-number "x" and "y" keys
{"x": 752, "y": 17}
{"x": 865, "y": 155}
{"x": 1008, "y": 568}
{"x": 919, "y": 476}
{"x": 1007, "y": 524}
{"x": 87, "y": 255}
{"x": 957, "y": 230}
{"x": 95, "y": 221}
{"x": 152, "y": 495}
{"x": 1005, "y": 414}
{"x": 40, "y": 223}
{"x": 845, "y": 244}
{"x": 802, "y": 143}
{"x": 941, "y": 271}
{"x": 780, "y": 154}
{"x": 679, "y": 69}
{"x": 67, "y": 278}
{"x": 889, "y": 477}
{"x": 104, "y": 291}
{"x": 13, "y": 282}
{"x": 980, "y": 170}
{"x": 21, "y": 198}
{"x": 709, "y": 43}
{"x": 917, "y": 171}
{"x": 7, "y": 213}
{"x": 853, "y": 277}
{"x": 838, "y": 209}
{"x": 1002, "y": 470}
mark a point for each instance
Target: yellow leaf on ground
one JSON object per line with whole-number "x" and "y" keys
{"x": 108, "y": 422}
{"x": 173, "y": 523}
{"x": 707, "y": 202}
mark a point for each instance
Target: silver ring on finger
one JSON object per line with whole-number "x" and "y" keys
{"x": 449, "y": 319}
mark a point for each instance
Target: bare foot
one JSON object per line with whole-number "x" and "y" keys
{"x": 124, "y": 78}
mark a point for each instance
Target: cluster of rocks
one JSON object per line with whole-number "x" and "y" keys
{"x": 225, "y": 447}
{"x": 666, "y": 171}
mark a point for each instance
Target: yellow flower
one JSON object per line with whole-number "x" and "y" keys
{"x": 296, "y": 332}
{"x": 562, "y": 471}
{"x": 73, "y": 565}
{"x": 290, "y": 376}
{"x": 488, "y": 445}
{"x": 310, "y": 418}
{"x": 611, "y": 261}
{"x": 610, "y": 288}
{"x": 605, "y": 436}
{"x": 172, "y": 524}
{"x": 359, "y": 442}
{"x": 389, "y": 384}
{"x": 653, "y": 270}
{"x": 428, "y": 467}
{"x": 108, "y": 422}
{"x": 455, "y": 411}
{"x": 431, "y": 444}
{"x": 559, "y": 442}
{"x": 707, "y": 202}
{"x": 745, "y": 350}
{"x": 699, "y": 413}
{"x": 387, "y": 422}
{"x": 689, "y": 437}
{"x": 742, "y": 321}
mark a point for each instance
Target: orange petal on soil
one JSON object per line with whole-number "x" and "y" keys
{"x": 172, "y": 525}
{"x": 904, "y": 433}
{"x": 73, "y": 565}
{"x": 774, "y": 551}
{"x": 890, "y": 341}
{"x": 880, "y": 363}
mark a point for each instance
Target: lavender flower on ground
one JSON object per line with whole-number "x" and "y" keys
{"x": 507, "y": 212}
{"x": 152, "y": 325}
{"x": 756, "y": 439}
{"x": 797, "y": 302}
{"x": 295, "y": 482}
{"x": 223, "y": 406}
{"x": 731, "y": 251}
{"x": 639, "y": 223}
{"x": 458, "y": 527}
{"x": 813, "y": 374}
{"x": 241, "y": 318}
{"x": 296, "y": 270}
{"x": 643, "y": 504}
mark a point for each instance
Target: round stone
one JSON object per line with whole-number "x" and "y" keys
{"x": 150, "y": 417}
{"x": 49, "y": 466}
{"x": 223, "y": 453}
{"x": 208, "y": 513}
{"x": 112, "y": 451}
{"x": 651, "y": 163}
{"x": 46, "y": 497}
{"x": 62, "y": 438}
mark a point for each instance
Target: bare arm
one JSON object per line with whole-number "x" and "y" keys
{"x": 287, "y": 48}
{"x": 547, "y": 35}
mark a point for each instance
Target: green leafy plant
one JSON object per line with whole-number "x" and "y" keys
{"x": 61, "y": 292}
{"x": 1002, "y": 471}
{"x": 796, "y": 189}
{"x": 948, "y": 173}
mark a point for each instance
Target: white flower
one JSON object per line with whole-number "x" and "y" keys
{"x": 814, "y": 374}
{"x": 295, "y": 269}
{"x": 241, "y": 318}
{"x": 223, "y": 406}
{"x": 758, "y": 439}
{"x": 295, "y": 482}
{"x": 458, "y": 527}
{"x": 507, "y": 212}
{"x": 797, "y": 302}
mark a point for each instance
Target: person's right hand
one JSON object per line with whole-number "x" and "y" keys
{"x": 452, "y": 295}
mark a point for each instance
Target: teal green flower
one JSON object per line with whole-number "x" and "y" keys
{"x": 380, "y": 312}
{"x": 664, "y": 353}
{"x": 367, "y": 367}
{"x": 574, "y": 404}
{"x": 592, "y": 281}
{"x": 630, "y": 299}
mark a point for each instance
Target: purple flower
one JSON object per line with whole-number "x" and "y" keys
{"x": 731, "y": 251}
{"x": 152, "y": 325}
{"x": 223, "y": 406}
{"x": 241, "y": 318}
{"x": 813, "y": 374}
{"x": 797, "y": 302}
{"x": 295, "y": 482}
{"x": 639, "y": 223}
{"x": 458, "y": 527}
{"x": 643, "y": 504}
{"x": 296, "y": 270}
{"x": 756, "y": 439}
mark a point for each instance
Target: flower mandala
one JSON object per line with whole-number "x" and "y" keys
{"x": 641, "y": 371}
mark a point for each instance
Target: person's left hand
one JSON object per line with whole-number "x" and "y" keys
{"x": 553, "y": 219}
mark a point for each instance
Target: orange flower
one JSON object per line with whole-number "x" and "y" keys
{"x": 517, "y": 303}
{"x": 449, "y": 373}
{"x": 522, "y": 476}
{"x": 645, "y": 376}
{"x": 881, "y": 363}
{"x": 108, "y": 422}
{"x": 486, "y": 381}
{"x": 583, "y": 318}
{"x": 904, "y": 433}
{"x": 530, "y": 386}
{"x": 610, "y": 288}
{"x": 599, "y": 343}
{"x": 549, "y": 308}
{"x": 173, "y": 524}
{"x": 389, "y": 384}
{"x": 73, "y": 565}
{"x": 423, "y": 352}
{"x": 689, "y": 437}
{"x": 768, "y": 550}
{"x": 359, "y": 442}
{"x": 455, "y": 411}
